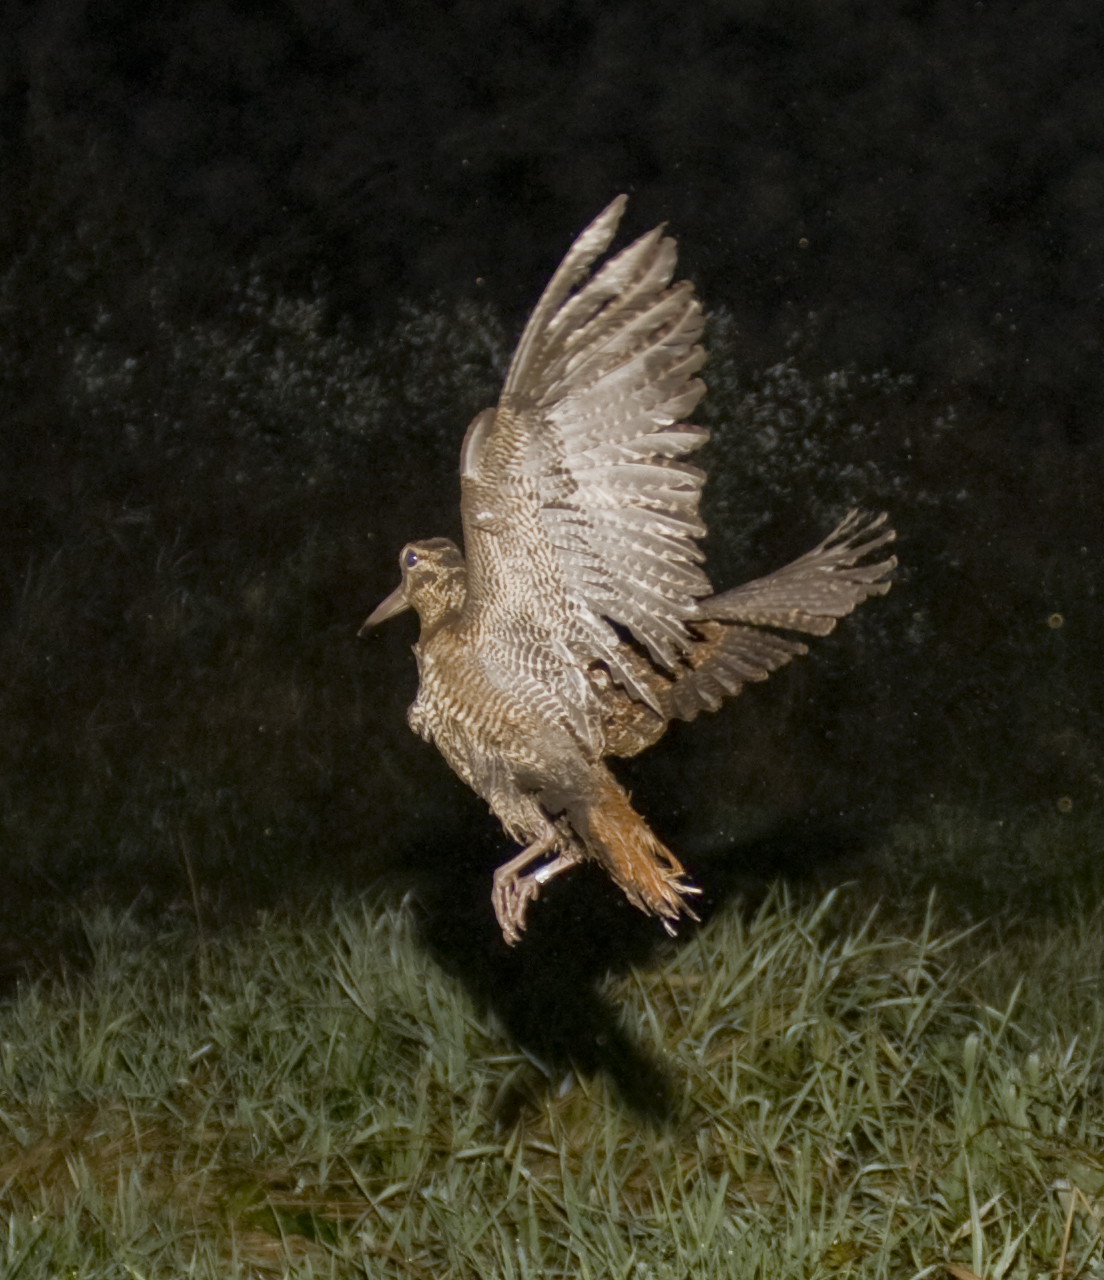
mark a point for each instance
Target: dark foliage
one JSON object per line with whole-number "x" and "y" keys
{"x": 924, "y": 176}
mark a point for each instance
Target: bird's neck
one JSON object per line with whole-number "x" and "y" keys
{"x": 444, "y": 605}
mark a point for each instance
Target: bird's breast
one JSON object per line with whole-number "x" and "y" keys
{"x": 495, "y": 698}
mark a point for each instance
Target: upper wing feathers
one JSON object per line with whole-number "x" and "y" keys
{"x": 589, "y": 245}
{"x": 577, "y": 509}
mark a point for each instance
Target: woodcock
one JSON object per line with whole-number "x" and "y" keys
{"x": 578, "y": 513}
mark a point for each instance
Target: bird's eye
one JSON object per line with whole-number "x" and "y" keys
{"x": 410, "y": 558}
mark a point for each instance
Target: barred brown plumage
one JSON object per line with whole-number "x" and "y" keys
{"x": 579, "y": 513}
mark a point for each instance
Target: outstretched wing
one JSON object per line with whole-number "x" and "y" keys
{"x": 730, "y": 649}
{"x": 576, "y": 504}
{"x": 810, "y": 595}
{"x": 814, "y": 591}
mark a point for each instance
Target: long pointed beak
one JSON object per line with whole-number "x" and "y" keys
{"x": 395, "y": 603}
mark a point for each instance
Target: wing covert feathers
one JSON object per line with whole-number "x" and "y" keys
{"x": 583, "y": 459}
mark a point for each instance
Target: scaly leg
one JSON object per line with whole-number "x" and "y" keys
{"x": 513, "y": 892}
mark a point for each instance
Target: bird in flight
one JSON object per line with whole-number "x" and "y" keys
{"x": 578, "y": 622}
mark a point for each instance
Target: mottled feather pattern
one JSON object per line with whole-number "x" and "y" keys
{"x": 580, "y": 517}
{"x": 601, "y": 387}
{"x": 818, "y": 588}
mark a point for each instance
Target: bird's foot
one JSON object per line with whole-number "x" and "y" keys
{"x": 512, "y": 893}
{"x": 510, "y": 897}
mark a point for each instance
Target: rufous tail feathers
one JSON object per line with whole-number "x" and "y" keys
{"x": 646, "y": 871}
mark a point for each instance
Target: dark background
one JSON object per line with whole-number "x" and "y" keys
{"x": 260, "y": 264}
{"x": 943, "y": 161}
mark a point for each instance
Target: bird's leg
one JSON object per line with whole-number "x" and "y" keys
{"x": 513, "y": 892}
{"x": 542, "y": 875}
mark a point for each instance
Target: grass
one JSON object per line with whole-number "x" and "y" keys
{"x": 200, "y": 506}
{"x": 201, "y": 511}
{"x": 318, "y": 1098}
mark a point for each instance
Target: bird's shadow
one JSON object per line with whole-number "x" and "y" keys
{"x": 546, "y": 991}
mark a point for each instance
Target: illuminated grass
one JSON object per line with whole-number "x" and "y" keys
{"x": 319, "y": 1100}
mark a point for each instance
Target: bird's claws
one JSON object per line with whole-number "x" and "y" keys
{"x": 510, "y": 897}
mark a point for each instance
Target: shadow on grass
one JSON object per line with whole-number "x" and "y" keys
{"x": 546, "y": 991}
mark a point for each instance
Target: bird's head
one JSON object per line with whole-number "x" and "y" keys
{"x": 434, "y": 582}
